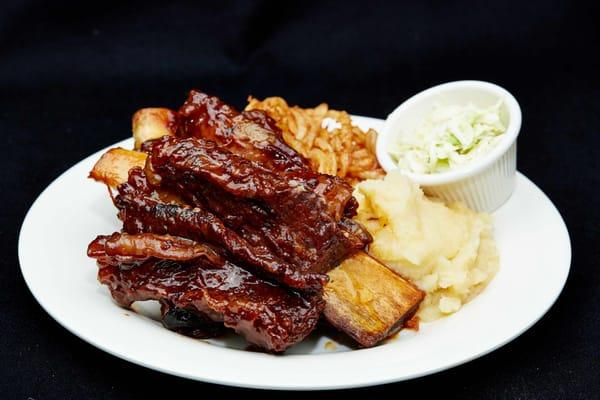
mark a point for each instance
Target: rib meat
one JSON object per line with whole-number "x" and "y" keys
{"x": 221, "y": 214}
{"x": 141, "y": 212}
{"x": 263, "y": 313}
{"x": 122, "y": 248}
{"x": 252, "y": 135}
{"x": 296, "y": 214}
{"x": 255, "y": 224}
{"x": 201, "y": 161}
{"x": 189, "y": 322}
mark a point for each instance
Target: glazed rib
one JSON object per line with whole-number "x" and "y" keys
{"x": 189, "y": 322}
{"x": 200, "y": 161}
{"x": 264, "y": 314}
{"x": 255, "y": 223}
{"x": 123, "y": 248}
{"x": 141, "y": 212}
{"x": 296, "y": 213}
{"x": 221, "y": 213}
{"x": 253, "y": 135}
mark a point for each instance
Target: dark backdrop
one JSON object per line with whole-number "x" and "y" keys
{"x": 71, "y": 75}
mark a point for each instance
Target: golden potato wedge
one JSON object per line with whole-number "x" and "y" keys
{"x": 152, "y": 123}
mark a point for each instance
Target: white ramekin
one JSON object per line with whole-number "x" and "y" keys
{"x": 486, "y": 183}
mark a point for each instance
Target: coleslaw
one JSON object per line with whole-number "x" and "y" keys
{"x": 451, "y": 136}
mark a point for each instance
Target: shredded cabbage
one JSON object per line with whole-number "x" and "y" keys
{"x": 451, "y": 137}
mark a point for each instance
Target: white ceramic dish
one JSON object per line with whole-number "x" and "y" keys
{"x": 486, "y": 183}
{"x": 531, "y": 236}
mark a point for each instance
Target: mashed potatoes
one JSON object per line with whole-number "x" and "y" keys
{"x": 448, "y": 251}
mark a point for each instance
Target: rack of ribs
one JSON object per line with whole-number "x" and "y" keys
{"x": 226, "y": 226}
{"x": 140, "y": 212}
{"x": 235, "y": 168}
{"x": 297, "y": 215}
{"x": 187, "y": 276}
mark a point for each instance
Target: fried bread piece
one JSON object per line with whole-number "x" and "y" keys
{"x": 152, "y": 123}
{"x": 368, "y": 301}
{"x": 113, "y": 167}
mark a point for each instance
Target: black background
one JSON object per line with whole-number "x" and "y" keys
{"x": 71, "y": 75}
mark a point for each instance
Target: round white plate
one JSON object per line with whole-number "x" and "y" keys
{"x": 535, "y": 258}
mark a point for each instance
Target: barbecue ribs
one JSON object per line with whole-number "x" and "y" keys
{"x": 225, "y": 225}
{"x": 207, "y": 286}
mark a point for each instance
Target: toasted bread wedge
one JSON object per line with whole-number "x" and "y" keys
{"x": 368, "y": 301}
{"x": 114, "y": 165}
{"x": 152, "y": 123}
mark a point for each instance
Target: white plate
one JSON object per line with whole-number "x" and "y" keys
{"x": 535, "y": 258}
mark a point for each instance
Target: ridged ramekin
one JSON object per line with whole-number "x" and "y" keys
{"x": 484, "y": 184}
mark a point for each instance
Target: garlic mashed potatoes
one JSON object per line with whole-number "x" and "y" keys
{"x": 447, "y": 250}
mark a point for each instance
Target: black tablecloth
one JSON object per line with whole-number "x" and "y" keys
{"x": 71, "y": 74}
